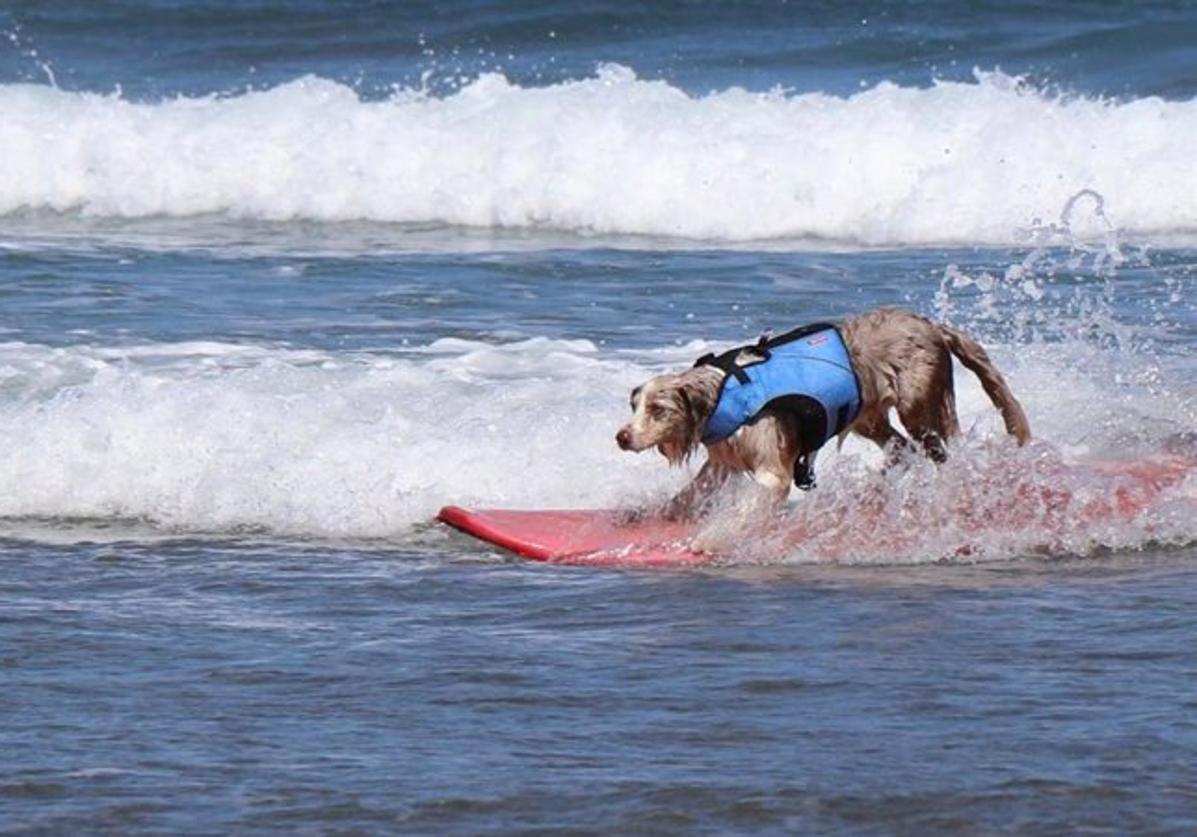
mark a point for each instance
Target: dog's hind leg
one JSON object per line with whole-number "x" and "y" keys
{"x": 876, "y": 427}
{"x": 927, "y": 405}
{"x": 931, "y": 423}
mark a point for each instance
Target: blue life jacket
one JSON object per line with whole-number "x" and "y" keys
{"x": 806, "y": 371}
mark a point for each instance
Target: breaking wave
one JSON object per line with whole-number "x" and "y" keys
{"x": 985, "y": 162}
{"x": 217, "y": 437}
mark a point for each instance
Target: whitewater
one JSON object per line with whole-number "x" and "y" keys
{"x": 235, "y": 438}
{"x": 279, "y": 280}
{"x": 989, "y": 161}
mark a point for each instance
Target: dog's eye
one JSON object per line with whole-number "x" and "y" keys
{"x": 656, "y": 411}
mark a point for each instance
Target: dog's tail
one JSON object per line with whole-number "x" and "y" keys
{"x": 974, "y": 358}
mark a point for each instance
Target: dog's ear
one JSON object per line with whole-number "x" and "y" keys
{"x": 686, "y": 403}
{"x": 635, "y": 396}
{"x": 696, "y": 409}
{"x": 700, "y": 392}
{"x": 692, "y": 422}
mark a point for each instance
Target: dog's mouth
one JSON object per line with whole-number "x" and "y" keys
{"x": 625, "y": 440}
{"x": 672, "y": 451}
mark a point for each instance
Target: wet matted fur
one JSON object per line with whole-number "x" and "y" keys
{"x": 902, "y": 361}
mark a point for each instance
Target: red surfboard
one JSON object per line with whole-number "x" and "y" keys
{"x": 600, "y": 537}
{"x": 593, "y": 537}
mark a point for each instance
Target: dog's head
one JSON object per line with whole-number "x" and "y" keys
{"x": 669, "y": 413}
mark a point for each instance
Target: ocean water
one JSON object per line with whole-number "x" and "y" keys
{"x": 279, "y": 279}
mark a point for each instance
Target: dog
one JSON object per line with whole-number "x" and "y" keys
{"x": 834, "y": 380}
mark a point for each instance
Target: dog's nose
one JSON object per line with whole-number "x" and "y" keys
{"x": 623, "y": 438}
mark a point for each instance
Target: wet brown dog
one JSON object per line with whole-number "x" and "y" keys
{"x": 902, "y": 361}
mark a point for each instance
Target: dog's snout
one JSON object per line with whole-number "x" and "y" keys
{"x": 623, "y": 438}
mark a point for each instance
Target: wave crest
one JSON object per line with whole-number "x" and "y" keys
{"x": 954, "y": 163}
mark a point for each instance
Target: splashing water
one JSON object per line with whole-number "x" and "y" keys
{"x": 1112, "y": 405}
{"x": 17, "y": 38}
{"x": 990, "y": 501}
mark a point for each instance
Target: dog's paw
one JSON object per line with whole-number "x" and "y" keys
{"x": 705, "y": 544}
{"x": 629, "y": 516}
{"x": 677, "y": 513}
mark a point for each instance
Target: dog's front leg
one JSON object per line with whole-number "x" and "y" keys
{"x": 690, "y": 500}
{"x": 751, "y": 515}
{"x": 776, "y": 482}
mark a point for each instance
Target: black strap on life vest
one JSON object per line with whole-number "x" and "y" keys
{"x": 727, "y": 361}
{"x": 812, "y": 423}
{"x": 804, "y": 472}
{"x": 797, "y": 334}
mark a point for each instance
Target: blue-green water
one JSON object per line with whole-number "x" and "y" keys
{"x": 278, "y": 280}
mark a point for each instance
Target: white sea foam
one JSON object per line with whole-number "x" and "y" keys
{"x": 977, "y": 162}
{"x": 212, "y": 437}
